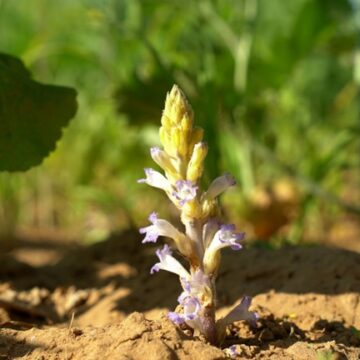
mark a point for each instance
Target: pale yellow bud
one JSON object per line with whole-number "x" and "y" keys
{"x": 196, "y": 164}
{"x": 191, "y": 210}
{"x": 164, "y": 138}
{"x": 166, "y": 121}
{"x": 210, "y": 208}
{"x": 165, "y": 162}
{"x": 211, "y": 262}
{"x": 196, "y": 137}
{"x": 185, "y": 246}
{"x": 176, "y": 138}
{"x": 187, "y": 123}
{"x": 176, "y": 106}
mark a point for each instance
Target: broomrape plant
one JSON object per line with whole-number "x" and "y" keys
{"x": 182, "y": 160}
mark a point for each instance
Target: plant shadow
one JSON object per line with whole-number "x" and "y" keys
{"x": 123, "y": 263}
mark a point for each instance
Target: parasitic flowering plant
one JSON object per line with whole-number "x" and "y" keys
{"x": 204, "y": 235}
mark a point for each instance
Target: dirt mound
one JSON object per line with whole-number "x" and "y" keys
{"x": 74, "y": 302}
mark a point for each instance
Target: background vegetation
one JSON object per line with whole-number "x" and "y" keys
{"x": 275, "y": 85}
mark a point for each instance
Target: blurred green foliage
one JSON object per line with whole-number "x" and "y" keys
{"x": 274, "y": 84}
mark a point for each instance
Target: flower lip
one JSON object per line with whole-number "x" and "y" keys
{"x": 148, "y": 173}
{"x": 162, "y": 253}
{"x": 151, "y": 231}
{"x": 159, "y": 227}
{"x": 185, "y": 191}
{"x": 224, "y": 237}
{"x": 153, "y": 217}
{"x": 176, "y": 318}
{"x": 230, "y": 179}
{"x": 155, "y": 150}
{"x": 169, "y": 263}
{"x": 241, "y": 312}
{"x": 227, "y": 235}
{"x": 219, "y": 185}
{"x": 151, "y": 234}
{"x": 155, "y": 268}
{"x": 191, "y": 307}
{"x": 155, "y": 179}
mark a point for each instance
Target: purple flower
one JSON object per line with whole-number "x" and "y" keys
{"x": 158, "y": 228}
{"x": 228, "y": 237}
{"x": 176, "y": 318}
{"x": 225, "y": 237}
{"x": 151, "y": 231}
{"x": 241, "y": 312}
{"x": 219, "y": 185}
{"x": 185, "y": 191}
{"x": 169, "y": 263}
{"x": 196, "y": 285}
{"x": 156, "y": 179}
{"x": 191, "y": 307}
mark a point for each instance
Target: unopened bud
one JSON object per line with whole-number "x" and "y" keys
{"x": 196, "y": 164}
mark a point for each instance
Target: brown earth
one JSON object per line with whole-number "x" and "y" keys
{"x": 61, "y": 301}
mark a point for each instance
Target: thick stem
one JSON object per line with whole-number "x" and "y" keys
{"x": 194, "y": 232}
{"x": 209, "y": 321}
{"x": 209, "y": 325}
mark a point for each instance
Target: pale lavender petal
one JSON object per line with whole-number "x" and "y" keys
{"x": 158, "y": 228}
{"x": 151, "y": 234}
{"x": 198, "y": 282}
{"x": 156, "y": 179}
{"x": 176, "y": 318}
{"x": 196, "y": 285}
{"x": 228, "y": 236}
{"x": 191, "y": 308}
{"x": 154, "y": 152}
{"x": 219, "y": 185}
{"x": 224, "y": 237}
{"x": 155, "y": 268}
{"x": 185, "y": 191}
{"x": 241, "y": 312}
{"x": 182, "y": 297}
{"x": 153, "y": 217}
{"x": 164, "y": 252}
{"x": 169, "y": 263}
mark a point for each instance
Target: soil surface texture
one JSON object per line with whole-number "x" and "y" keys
{"x": 64, "y": 301}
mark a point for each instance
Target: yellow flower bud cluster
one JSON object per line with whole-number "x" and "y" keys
{"x": 184, "y": 150}
{"x": 179, "y": 138}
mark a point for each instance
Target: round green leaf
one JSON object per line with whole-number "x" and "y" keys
{"x": 32, "y": 116}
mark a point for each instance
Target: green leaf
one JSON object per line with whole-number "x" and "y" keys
{"x": 32, "y": 116}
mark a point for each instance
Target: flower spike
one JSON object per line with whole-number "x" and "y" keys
{"x": 181, "y": 158}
